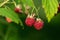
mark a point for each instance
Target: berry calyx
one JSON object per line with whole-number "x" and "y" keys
{"x": 8, "y": 20}
{"x": 18, "y": 9}
{"x": 30, "y": 20}
{"x": 33, "y": 14}
{"x": 38, "y": 24}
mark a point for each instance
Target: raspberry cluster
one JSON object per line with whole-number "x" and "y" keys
{"x": 36, "y": 22}
{"x": 31, "y": 20}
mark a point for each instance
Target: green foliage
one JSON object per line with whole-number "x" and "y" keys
{"x": 50, "y": 7}
{"x": 26, "y": 2}
{"x": 10, "y": 14}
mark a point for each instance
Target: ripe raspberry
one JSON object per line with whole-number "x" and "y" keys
{"x": 8, "y": 20}
{"x": 30, "y": 20}
{"x": 18, "y": 9}
{"x": 38, "y": 24}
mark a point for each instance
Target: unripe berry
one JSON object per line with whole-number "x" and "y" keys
{"x": 8, "y": 20}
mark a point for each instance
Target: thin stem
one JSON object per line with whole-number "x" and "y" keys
{"x": 7, "y": 7}
{"x": 37, "y": 11}
{"x": 14, "y": 3}
{"x": 4, "y": 3}
{"x": 32, "y": 10}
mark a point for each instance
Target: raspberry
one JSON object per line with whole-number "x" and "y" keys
{"x": 38, "y": 24}
{"x": 8, "y": 20}
{"x": 18, "y": 9}
{"x": 58, "y": 11}
{"x": 59, "y": 8}
{"x": 30, "y": 20}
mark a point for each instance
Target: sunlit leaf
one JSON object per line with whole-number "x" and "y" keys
{"x": 50, "y": 7}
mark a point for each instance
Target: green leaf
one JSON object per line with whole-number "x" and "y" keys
{"x": 10, "y": 14}
{"x": 28, "y": 2}
{"x": 50, "y": 7}
{"x": 17, "y": 1}
{"x": 1, "y": 1}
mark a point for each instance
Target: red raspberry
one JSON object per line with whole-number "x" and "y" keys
{"x": 18, "y": 9}
{"x": 30, "y": 20}
{"x": 8, "y": 20}
{"x": 38, "y": 24}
